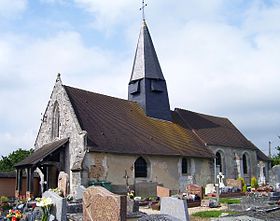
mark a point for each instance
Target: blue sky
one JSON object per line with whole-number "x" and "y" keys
{"x": 219, "y": 57}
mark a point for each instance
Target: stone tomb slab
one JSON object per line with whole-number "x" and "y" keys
{"x": 174, "y": 207}
{"x": 234, "y": 183}
{"x": 59, "y": 209}
{"x": 99, "y": 204}
{"x": 163, "y": 191}
{"x": 195, "y": 189}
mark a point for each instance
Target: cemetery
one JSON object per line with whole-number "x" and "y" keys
{"x": 260, "y": 201}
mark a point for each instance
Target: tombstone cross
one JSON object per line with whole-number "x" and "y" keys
{"x": 220, "y": 177}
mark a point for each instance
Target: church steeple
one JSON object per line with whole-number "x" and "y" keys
{"x": 147, "y": 85}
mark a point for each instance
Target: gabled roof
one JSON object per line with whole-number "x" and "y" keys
{"x": 40, "y": 153}
{"x": 212, "y": 130}
{"x": 120, "y": 126}
{"x": 146, "y": 64}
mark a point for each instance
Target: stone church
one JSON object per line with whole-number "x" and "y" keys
{"x": 93, "y": 136}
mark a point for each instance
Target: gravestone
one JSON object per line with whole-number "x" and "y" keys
{"x": 146, "y": 189}
{"x": 195, "y": 189}
{"x": 234, "y": 183}
{"x": 132, "y": 206}
{"x": 79, "y": 192}
{"x": 275, "y": 177}
{"x": 163, "y": 191}
{"x": 99, "y": 204}
{"x": 261, "y": 179}
{"x": 174, "y": 207}
{"x": 210, "y": 188}
{"x": 59, "y": 208}
{"x": 63, "y": 183}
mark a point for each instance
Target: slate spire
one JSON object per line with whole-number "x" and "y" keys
{"x": 147, "y": 85}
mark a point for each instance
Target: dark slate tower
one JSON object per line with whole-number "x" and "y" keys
{"x": 147, "y": 85}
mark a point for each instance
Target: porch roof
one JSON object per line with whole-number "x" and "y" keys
{"x": 42, "y": 152}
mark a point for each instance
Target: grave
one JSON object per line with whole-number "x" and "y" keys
{"x": 59, "y": 208}
{"x": 195, "y": 189}
{"x": 261, "y": 179}
{"x": 163, "y": 191}
{"x": 210, "y": 188}
{"x": 174, "y": 207}
{"x": 275, "y": 177}
{"x": 79, "y": 192}
{"x": 146, "y": 189}
{"x": 234, "y": 183}
{"x": 99, "y": 204}
{"x": 63, "y": 183}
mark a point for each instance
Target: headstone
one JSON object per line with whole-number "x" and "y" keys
{"x": 132, "y": 206}
{"x": 99, "y": 204}
{"x": 261, "y": 179}
{"x": 146, "y": 189}
{"x": 163, "y": 191}
{"x": 234, "y": 183}
{"x": 79, "y": 192}
{"x": 59, "y": 208}
{"x": 220, "y": 178}
{"x": 63, "y": 183}
{"x": 174, "y": 207}
{"x": 210, "y": 188}
{"x": 195, "y": 189}
{"x": 275, "y": 176}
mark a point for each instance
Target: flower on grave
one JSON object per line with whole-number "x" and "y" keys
{"x": 46, "y": 204}
{"x": 14, "y": 214}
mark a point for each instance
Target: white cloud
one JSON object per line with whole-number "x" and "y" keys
{"x": 108, "y": 13}
{"x": 11, "y": 8}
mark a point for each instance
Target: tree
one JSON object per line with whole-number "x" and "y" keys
{"x": 7, "y": 163}
{"x": 276, "y": 158}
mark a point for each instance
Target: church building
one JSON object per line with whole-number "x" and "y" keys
{"x": 92, "y": 136}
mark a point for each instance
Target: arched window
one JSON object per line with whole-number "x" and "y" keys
{"x": 55, "y": 121}
{"x": 219, "y": 161}
{"x": 245, "y": 164}
{"x": 140, "y": 167}
{"x": 184, "y": 165}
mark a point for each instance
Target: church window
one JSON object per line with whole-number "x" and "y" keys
{"x": 140, "y": 167}
{"x": 184, "y": 165}
{"x": 219, "y": 162}
{"x": 245, "y": 164}
{"x": 55, "y": 121}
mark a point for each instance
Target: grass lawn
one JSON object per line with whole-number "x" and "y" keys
{"x": 230, "y": 200}
{"x": 211, "y": 214}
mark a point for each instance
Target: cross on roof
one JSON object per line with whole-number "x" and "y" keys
{"x": 143, "y": 9}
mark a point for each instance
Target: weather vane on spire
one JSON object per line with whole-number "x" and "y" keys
{"x": 143, "y": 9}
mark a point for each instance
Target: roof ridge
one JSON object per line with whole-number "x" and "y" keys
{"x": 225, "y": 118}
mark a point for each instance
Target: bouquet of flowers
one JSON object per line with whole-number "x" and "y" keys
{"x": 45, "y": 203}
{"x": 14, "y": 215}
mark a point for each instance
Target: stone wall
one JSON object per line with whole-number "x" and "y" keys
{"x": 231, "y": 156}
{"x": 161, "y": 169}
{"x": 69, "y": 127}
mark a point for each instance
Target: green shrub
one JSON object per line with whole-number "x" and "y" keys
{"x": 254, "y": 182}
{"x": 4, "y": 199}
{"x": 244, "y": 187}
